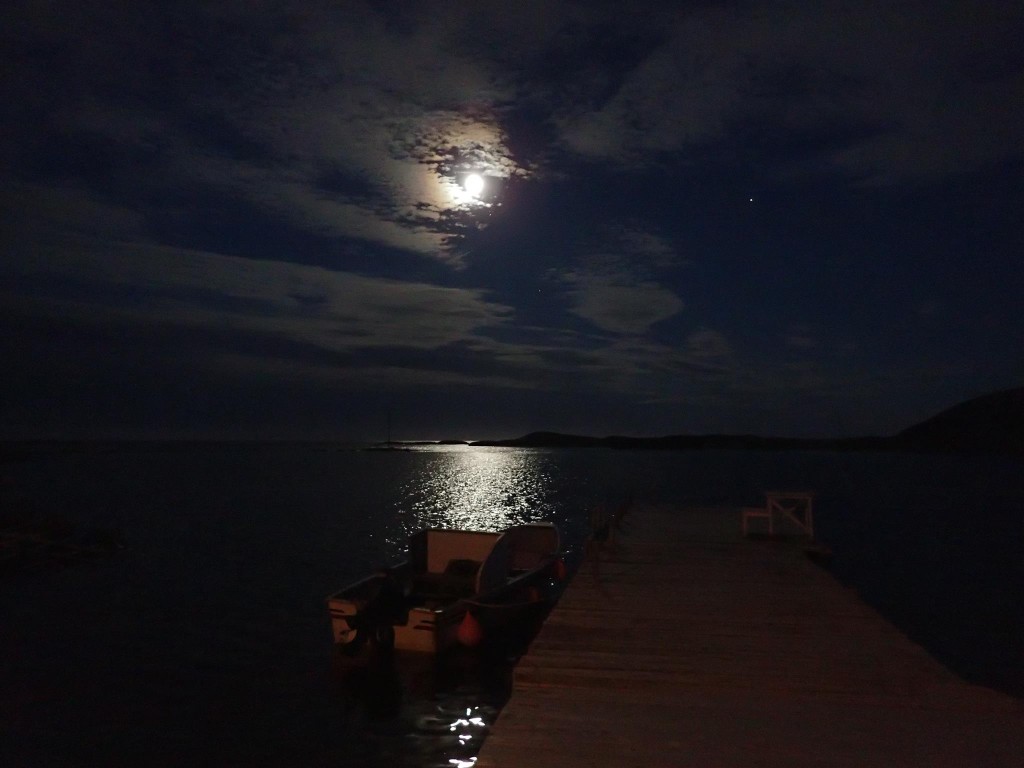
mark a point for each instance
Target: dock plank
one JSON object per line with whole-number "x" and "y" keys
{"x": 681, "y": 643}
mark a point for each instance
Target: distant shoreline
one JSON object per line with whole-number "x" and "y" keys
{"x": 16, "y": 451}
{"x": 692, "y": 442}
{"x": 989, "y": 425}
{"x": 875, "y": 444}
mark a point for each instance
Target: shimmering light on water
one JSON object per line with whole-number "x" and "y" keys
{"x": 482, "y": 489}
{"x": 465, "y": 724}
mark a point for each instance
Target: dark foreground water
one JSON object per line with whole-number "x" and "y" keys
{"x": 206, "y": 641}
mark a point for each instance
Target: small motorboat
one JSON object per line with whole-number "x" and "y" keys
{"x": 454, "y": 587}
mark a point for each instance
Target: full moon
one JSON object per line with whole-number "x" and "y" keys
{"x": 474, "y": 184}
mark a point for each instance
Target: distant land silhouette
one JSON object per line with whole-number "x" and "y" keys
{"x": 991, "y": 424}
{"x": 988, "y": 424}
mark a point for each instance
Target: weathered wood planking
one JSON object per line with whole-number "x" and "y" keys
{"x": 682, "y": 644}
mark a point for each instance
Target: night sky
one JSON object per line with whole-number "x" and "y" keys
{"x": 252, "y": 220}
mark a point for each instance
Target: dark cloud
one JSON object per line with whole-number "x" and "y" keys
{"x": 905, "y": 81}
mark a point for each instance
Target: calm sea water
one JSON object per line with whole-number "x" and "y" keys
{"x": 207, "y": 642}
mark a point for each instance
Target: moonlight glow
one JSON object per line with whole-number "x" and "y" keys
{"x": 474, "y": 184}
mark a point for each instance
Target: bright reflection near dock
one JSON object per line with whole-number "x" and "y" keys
{"x": 462, "y": 723}
{"x": 466, "y": 724}
{"x": 486, "y": 489}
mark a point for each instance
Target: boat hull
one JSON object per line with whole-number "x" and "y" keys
{"x": 433, "y": 630}
{"x": 414, "y": 609}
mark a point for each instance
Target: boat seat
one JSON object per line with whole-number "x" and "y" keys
{"x": 461, "y": 569}
{"x": 457, "y": 581}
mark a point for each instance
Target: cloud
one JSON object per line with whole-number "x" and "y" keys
{"x": 36, "y": 212}
{"x": 292, "y": 323}
{"x": 921, "y": 90}
{"x": 640, "y": 247}
{"x": 264, "y": 106}
{"x": 395, "y": 107}
{"x": 332, "y": 310}
{"x": 614, "y": 284}
{"x": 293, "y": 195}
{"x": 708, "y": 345}
{"x": 619, "y": 308}
{"x": 681, "y": 94}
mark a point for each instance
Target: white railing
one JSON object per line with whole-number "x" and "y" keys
{"x": 795, "y": 506}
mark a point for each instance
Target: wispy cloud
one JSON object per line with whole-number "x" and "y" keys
{"x": 707, "y": 344}
{"x": 305, "y": 323}
{"x": 396, "y": 107}
{"x": 614, "y": 284}
{"x": 916, "y": 97}
{"x": 335, "y": 310}
{"x": 405, "y": 100}
{"x": 617, "y": 307}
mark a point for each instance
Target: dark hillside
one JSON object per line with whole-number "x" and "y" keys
{"x": 989, "y": 424}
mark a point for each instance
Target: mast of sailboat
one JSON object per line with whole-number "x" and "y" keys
{"x": 389, "y": 429}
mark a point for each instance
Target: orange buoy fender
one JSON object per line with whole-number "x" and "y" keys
{"x": 470, "y": 633}
{"x": 560, "y": 569}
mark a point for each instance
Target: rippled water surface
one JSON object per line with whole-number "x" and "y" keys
{"x": 206, "y": 640}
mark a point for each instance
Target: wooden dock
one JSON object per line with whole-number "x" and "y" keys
{"x": 681, "y": 643}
